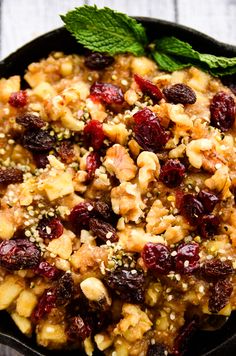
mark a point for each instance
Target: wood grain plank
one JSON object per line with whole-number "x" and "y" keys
{"x": 215, "y": 18}
{"x": 23, "y": 20}
{"x": 152, "y": 8}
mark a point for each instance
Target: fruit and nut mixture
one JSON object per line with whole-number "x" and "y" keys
{"x": 117, "y": 218}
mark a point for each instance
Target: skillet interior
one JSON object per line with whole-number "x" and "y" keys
{"x": 214, "y": 343}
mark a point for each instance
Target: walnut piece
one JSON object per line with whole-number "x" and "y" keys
{"x": 149, "y": 169}
{"x": 119, "y": 163}
{"x": 126, "y": 201}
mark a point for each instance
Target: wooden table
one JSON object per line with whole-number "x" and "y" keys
{"x": 23, "y": 20}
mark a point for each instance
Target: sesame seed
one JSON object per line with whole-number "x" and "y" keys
{"x": 172, "y": 316}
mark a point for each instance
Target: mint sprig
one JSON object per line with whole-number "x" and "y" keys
{"x": 106, "y": 30}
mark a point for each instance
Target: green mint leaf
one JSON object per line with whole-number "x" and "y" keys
{"x": 173, "y": 46}
{"x": 168, "y": 63}
{"x": 105, "y": 30}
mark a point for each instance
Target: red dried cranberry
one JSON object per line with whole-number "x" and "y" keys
{"x": 94, "y": 135}
{"x": 66, "y": 152}
{"x": 191, "y": 208}
{"x": 38, "y": 140}
{"x": 103, "y": 230}
{"x": 30, "y": 121}
{"x": 180, "y": 94}
{"x": 11, "y": 176}
{"x": 172, "y": 173}
{"x": 187, "y": 258}
{"x": 156, "y": 350}
{"x": 98, "y": 61}
{"x": 78, "y": 329}
{"x": 208, "y": 200}
{"x": 52, "y": 297}
{"x": 182, "y": 341}
{"x": 19, "y": 254}
{"x": 92, "y": 163}
{"x": 45, "y": 269}
{"x": 40, "y": 159}
{"x": 108, "y": 93}
{"x": 128, "y": 284}
{"x": 18, "y": 99}
{"x": 80, "y": 216}
{"x": 216, "y": 268}
{"x": 46, "y": 302}
{"x": 219, "y": 295}
{"x": 148, "y": 88}
{"x": 157, "y": 257}
{"x": 149, "y": 133}
{"x": 179, "y": 194}
{"x": 50, "y": 228}
{"x": 208, "y": 226}
{"x": 223, "y": 111}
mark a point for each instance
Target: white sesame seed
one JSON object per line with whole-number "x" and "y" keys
{"x": 172, "y": 316}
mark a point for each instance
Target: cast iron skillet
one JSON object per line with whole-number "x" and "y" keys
{"x": 211, "y": 343}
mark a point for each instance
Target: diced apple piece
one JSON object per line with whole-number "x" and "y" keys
{"x": 9, "y": 290}
{"x": 25, "y": 303}
{"x": 22, "y": 323}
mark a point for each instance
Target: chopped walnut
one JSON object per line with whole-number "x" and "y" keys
{"x": 194, "y": 151}
{"x": 158, "y": 218}
{"x": 88, "y": 258}
{"x": 119, "y": 163}
{"x": 220, "y": 182}
{"x": 116, "y": 133}
{"x": 126, "y": 201}
{"x": 134, "y": 238}
{"x": 135, "y": 323}
{"x": 149, "y": 169}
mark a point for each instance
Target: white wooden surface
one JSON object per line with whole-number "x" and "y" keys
{"x": 23, "y": 20}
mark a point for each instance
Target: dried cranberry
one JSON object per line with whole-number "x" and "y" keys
{"x": 208, "y": 226}
{"x": 208, "y": 200}
{"x": 19, "y": 254}
{"x": 179, "y": 194}
{"x": 80, "y": 215}
{"x": 64, "y": 289}
{"x": 108, "y": 93}
{"x": 172, "y": 173}
{"x": 157, "y": 257}
{"x": 216, "y": 268}
{"x": 149, "y": 133}
{"x": 98, "y": 61}
{"x": 187, "y": 258}
{"x": 18, "y": 99}
{"x": 92, "y": 163}
{"x": 148, "y": 88}
{"x": 94, "y": 135}
{"x": 66, "y": 152}
{"x": 53, "y": 297}
{"x": 182, "y": 341}
{"x": 45, "y": 269}
{"x": 128, "y": 284}
{"x": 38, "y": 140}
{"x": 40, "y": 159}
{"x": 78, "y": 329}
{"x": 156, "y": 350}
{"x": 219, "y": 295}
{"x": 180, "y": 94}
{"x": 191, "y": 208}
{"x": 46, "y": 303}
{"x": 30, "y": 121}
{"x": 103, "y": 230}
{"x": 223, "y": 111}
{"x": 50, "y": 228}
{"x": 11, "y": 176}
